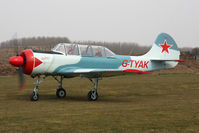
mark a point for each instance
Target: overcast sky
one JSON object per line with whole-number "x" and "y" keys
{"x": 102, "y": 20}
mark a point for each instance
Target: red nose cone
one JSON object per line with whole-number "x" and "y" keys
{"x": 16, "y": 61}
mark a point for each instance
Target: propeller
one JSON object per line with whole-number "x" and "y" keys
{"x": 15, "y": 44}
{"x": 18, "y": 61}
{"x": 21, "y": 77}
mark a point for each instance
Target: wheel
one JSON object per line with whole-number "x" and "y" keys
{"x": 34, "y": 96}
{"x": 92, "y": 96}
{"x": 61, "y": 93}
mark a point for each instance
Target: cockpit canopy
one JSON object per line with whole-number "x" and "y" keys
{"x": 82, "y": 50}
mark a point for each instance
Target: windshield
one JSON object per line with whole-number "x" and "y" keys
{"x": 59, "y": 48}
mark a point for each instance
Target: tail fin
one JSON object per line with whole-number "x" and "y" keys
{"x": 164, "y": 49}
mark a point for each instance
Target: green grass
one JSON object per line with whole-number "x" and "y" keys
{"x": 166, "y": 103}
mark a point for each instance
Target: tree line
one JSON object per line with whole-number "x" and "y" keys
{"x": 117, "y": 47}
{"x": 128, "y": 48}
{"x": 34, "y": 41}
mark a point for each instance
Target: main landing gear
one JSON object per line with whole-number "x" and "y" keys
{"x": 61, "y": 93}
{"x": 93, "y": 95}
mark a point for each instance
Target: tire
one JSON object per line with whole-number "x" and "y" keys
{"x": 61, "y": 93}
{"x": 92, "y": 96}
{"x": 34, "y": 97}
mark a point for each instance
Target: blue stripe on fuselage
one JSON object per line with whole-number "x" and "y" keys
{"x": 113, "y": 62}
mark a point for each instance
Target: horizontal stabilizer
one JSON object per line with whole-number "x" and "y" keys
{"x": 167, "y": 60}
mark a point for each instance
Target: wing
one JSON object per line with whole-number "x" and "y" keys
{"x": 84, "y": 72}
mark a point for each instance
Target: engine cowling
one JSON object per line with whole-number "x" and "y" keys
{"x": 26, "y": 60}
{"x": 28, "y": 57}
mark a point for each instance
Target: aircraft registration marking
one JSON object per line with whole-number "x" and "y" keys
{"x": 135, "y": 63}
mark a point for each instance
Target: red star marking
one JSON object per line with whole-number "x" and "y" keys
{"x": 165, "y": 47}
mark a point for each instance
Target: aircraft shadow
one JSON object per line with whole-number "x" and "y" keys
{"x": 77, "y": 98}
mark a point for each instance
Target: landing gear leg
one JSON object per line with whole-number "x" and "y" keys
{"x": 35, "y": 95}
{"x": 92, "y": 95}
{"x": 60, "y": 93}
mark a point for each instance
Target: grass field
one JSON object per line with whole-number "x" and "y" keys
{"x": 166, "y": 103}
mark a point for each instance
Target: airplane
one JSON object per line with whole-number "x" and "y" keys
{"x": 67, "y": 60}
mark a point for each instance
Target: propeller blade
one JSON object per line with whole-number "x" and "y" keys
{"x": 15, "y": 43}
{"x": 16, "y": 47}
{"x": 22, "y": 83}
